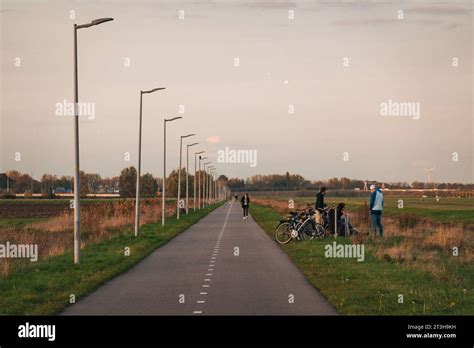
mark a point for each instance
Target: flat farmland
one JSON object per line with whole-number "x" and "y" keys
{"x": 19, "y": 212}
{"x": 446, "y": 210}
{"x": 425, "y": 255}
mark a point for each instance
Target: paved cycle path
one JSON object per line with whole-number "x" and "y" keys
{"x": 222, "y": 265}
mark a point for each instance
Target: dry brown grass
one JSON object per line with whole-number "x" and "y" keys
{"x": 412, "y": 240}
{"x": 446, "y": 238}
{"x": 399, "y": 253}
{"x": 98, "y": 222}
{"x": 279, "y": 205}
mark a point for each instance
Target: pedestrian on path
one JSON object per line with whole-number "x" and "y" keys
{"x": 245, "y": 205}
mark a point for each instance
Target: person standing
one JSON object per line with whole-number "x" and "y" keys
{"x": 320, "y": 198}
{"x": 319, "y": 206}
{"x": 376, "y": 206}
{"x": 245, "y": 200}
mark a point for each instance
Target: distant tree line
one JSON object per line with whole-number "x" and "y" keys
{"x": 128, "y": 177}
{"x": 125, "y": 183}
{"x": 49, "y": 184}
{"x": 289, "y": 181}
{"x": 93, "y": 183}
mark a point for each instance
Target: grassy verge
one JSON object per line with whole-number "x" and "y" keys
{"x": 447, "y": 210}
{"x": 45, "y": 287}
{"x": 372, "y": 287}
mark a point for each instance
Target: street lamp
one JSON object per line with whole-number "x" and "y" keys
{"x": 195, "y": 154}
{"x": 137, "y": 194}
{"x": 77, "y": 187}
{"x": 209, "y": 185}
{"x": 179, "y": 173}
{"x": 187, "y": 174}
{"x": 199, "y": 181}
{"x": 163, "y": 198}
{"x": 215, "y": 187}
{"x": 211, "y": 182}
{"x": 204, "y": 180}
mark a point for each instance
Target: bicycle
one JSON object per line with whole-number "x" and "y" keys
{"x": 299, "y": 225}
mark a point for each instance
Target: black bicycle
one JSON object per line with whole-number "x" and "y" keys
{"x": 300, "y": 225}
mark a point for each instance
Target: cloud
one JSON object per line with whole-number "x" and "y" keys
{"x": 214, "y": 139}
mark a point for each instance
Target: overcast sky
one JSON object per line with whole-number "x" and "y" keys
{"x": 282, "y": 62}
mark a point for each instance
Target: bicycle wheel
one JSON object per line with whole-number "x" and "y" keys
{"x": 305, "y": 231}
{"x": 283, "y": 233}
{"x": 320, "y": 231}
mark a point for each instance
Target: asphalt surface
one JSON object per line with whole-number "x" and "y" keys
{"x": 223, "y": 265}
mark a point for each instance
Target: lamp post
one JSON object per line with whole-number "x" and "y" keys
{"x": 199, "y": 181}
{"x": 195, "y": 160}
{"x": 214, "y": 175}
{"x": 179, "y": 172}
{"x": 211, "y": 181}
{"x": 204, "y": 184}
{"x": 137, "y": 194}
{"x": 163, "y": 198}
{"x": 209, "y": 185}
{"x": 216, "y": 186}
{"x": 77, "y": 187}
{"x": 187, "y": 175}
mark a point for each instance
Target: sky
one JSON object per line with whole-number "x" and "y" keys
{"x": 299, "y": 83}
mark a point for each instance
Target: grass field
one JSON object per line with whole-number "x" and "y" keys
{"x": 20, "y": 212}
{"x": 447, "y": 210}
{"x": 22, "y": 201}
{"x": 18, "y": 222}
{"x": 46, "y": 287}
{"x": 415, "y": 261}
{"x": 439, "y": 285}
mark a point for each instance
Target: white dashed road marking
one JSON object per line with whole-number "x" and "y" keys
{"x": 213, "y": 258}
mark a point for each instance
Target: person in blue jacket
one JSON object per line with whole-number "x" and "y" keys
{"x": 376, "y": 206}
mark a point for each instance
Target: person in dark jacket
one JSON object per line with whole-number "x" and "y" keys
{"x": 319, "y": 206}
{"x": 320, "y": 199}
{"x": 376, "y": 206}
{"x": 245, "y": 200}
